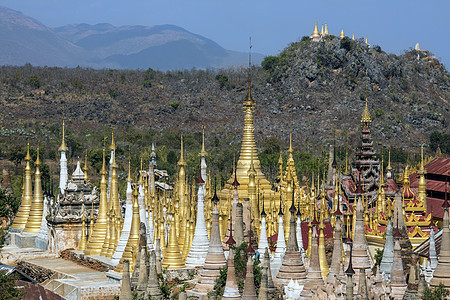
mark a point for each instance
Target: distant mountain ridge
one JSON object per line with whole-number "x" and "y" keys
{"x": 26, "y": 40}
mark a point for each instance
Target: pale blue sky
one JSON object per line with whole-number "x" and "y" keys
{"x": 395, "y": 25}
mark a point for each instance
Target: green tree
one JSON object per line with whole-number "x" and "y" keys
{"x": 8, "y": 288}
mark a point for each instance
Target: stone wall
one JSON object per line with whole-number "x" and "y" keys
{"x": 37, "y": 273}
{"x": 86, "y": 261}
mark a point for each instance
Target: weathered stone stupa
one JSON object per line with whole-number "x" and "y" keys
{"x": 231, "y": 287}
{"x": 388, "y": 252}
{"x": 360, "y": 253}
{"x": 215, "y": 258}
{"x": 442, "y": 272}
{"x": 292, "y": 265}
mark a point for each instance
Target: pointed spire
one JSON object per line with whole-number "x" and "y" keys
{"x": 249, "y": 102}
{"x": 63, "y": 146}
{"x": 290, "y": 150}
{"x": 366, "y": 114}
{"x": 326, "y": 29}
{"x": 353, "y": 36}
{"x": 85, "y": 167}
{"x": 203, "y": 151}
{"x": 28, "y": 156}
{"x": 315, "y": 32}
{"x": 366, "y": 40}
{"x": 280, "y": 213}
{"x": 113, "y": 144}
{"x": 342, "y": 34}
{"x": 129, "y": 169}
{"x": 321, "y": 31}
{"x": 181, "y": 162}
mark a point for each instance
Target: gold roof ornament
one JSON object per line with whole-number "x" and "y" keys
{"x": 342, "y": 34}
{"x": 321, "y": 31}
{"x": 63, "y": 146}
{"x": 366, "y": 40}
{"x": 326, "y": 29}
{"x": 316, "y": 32}
{"x": 366, "y": 115}
{"x": 353, "y": 36}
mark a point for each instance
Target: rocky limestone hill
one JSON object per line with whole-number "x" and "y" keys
{"x": 317, "y": 89}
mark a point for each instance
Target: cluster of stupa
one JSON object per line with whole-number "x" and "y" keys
{"x": 318, "y": 36}
{"x": 193, "y": 226}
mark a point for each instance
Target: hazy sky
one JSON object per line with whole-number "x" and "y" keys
{"x": 395, "y": 25}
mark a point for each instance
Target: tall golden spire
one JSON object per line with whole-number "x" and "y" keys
{"x": 422, "y": 193}
{"x": 83, "y": 240}
{"x": 366, "y": 115}
{"x": 353, "y": 36}
{"x": 326, "y": 29}
{"x": 342, "y": 34}
{"x": 27, "y": 196}
{"x": 100, "y": 234}
{"x": 181, "y": 162}
{"x": 35, "y": 217}
{"x": 113, "y": 144}
{"x": 248, "y": 149}
{"x": 85, "y": 168}
{"x": 63, "y": 146}
{"x": 366, "y": 40}
{"x": 129, "y": 169}
{"x": 321, "y": 31}
{"x": 316, "y": 33}
{"x": 389, "y": 168}
{"x": 203, "y": 151}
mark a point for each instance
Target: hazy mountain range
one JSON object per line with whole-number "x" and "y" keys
{"x": 26, "y": 40}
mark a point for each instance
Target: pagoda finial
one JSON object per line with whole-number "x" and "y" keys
{"x": 203, "y": 151}
{"x": 113, "y": 144}
{"x": 353, "y": 36}
{"x": 366, "y": 115}
{"x": 104, "y": 163}
{"x": 316, "y": 32}
{"x": 85, "y": 167}
{"x": 366, "y": 40}
{"x": 321, "y": 31}
{"x": 38, "y": 161}
{"x": 182, "y": 162}
{"x": 249, "y": 101}
{"x": 28, "y": 156}
{"x": 388, "y": 168}
{"x": 291, "y": 150}
{"x": 326, "y": 29}
{"x": 63, "y": 146}
{"x": 342, "y": 34}
{"x": 129, "y": 169}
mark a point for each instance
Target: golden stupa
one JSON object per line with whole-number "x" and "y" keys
{"x": 248, "y": 166}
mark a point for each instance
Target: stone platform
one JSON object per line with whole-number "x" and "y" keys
{"x": 76, "y": 282}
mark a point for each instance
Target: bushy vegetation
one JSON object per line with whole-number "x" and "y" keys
{"x": 8, "y": 288}
{"x": 437, "y": 293}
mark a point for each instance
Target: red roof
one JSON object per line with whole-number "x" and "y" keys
{"x": 440, "y": 166}
{"x": 327, "y": 231}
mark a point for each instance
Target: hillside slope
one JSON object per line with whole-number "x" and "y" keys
{"x": 317, "y": 89}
